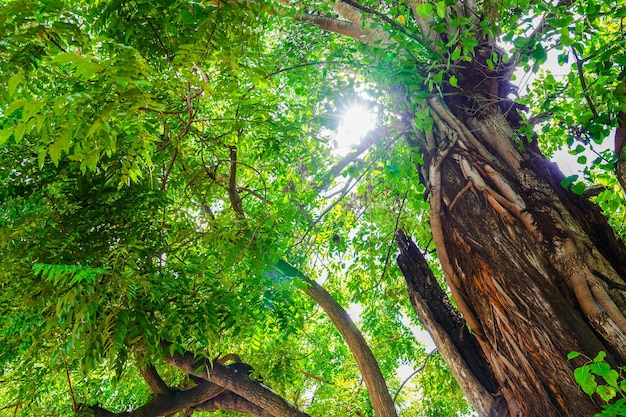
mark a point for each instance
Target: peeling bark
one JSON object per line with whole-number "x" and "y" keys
{"x": 455, "y": 343}
{"x": 520, "y": 253}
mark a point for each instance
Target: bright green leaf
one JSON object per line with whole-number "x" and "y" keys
{"x": 441, "y": 9}
{"x": 424, "y": 10}
{"x": 13, "y": 82}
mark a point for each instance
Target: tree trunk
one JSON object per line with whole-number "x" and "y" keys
{"x": 529, "y": 264}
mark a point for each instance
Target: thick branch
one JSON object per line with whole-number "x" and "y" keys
{"x": 376, "y": 35}
{"x": 232, "y": 380}
{"x": 365, "y": 360}
{"x": 170, "y": 404}
{"x": 153, "y": 379}
{"x": 232, "y": 402}
{"x": 339, "y": 27}
{"x": 233, "y": 194}
{"x": 425, "y": 24}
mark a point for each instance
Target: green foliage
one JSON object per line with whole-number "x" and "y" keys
{"x": 598, "y": 377}
{"x": 120, "y": 123}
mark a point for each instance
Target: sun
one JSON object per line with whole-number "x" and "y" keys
{"x": 356, "y": 121}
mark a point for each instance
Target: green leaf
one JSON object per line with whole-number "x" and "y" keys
{"x": 567, "y": 181}
{"x": 585, "y": 379}
{"x": 578, "y": 188}
{"x": 455, "y": 54}
{"x": 17, "y": 104}
{"x": 41, "y": 157}
{"x": 573, "y": 355}
{"x": 54, "y": 150}
{"x": 539, "y": 53}
{"x": 5, "y": 134}
{"x": 19, "y": 131}
{"x": 600, "y": 368}
{"x": 611, "y": 377}
{"x": 605, "y": 392}
{"x": 441, "y": 9}
{"x": 424, "y": 10}
{"x": 13, "y": 82}
{"x": 66, "y": 57}
{"x": 454, "y": 81}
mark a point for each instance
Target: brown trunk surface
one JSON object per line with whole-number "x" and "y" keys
{"x": 529, "y": 264}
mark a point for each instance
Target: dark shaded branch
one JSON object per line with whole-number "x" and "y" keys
{"x": 158, "y": 37}
{"x": 317, "y": 378}
{"x": 583, "y": 83}
{"x": 153, "y": 379}
{"x": 230, "y": 379}
{"x": 611, "y": 284}
{"x": 69, "y": 384}
{"x": 232, "y": 402}
{"x": 415, "y": 372}
{"x": 170, "y": 404}
{"x": 233, "y": 194}
{"x": 51, "y": 39}
{"x": 620, "y": 150}
{"x": 168, "y": 170}
{"x": 536, "y": 33}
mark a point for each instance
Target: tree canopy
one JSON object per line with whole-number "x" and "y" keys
{"x": 171, "y": 197}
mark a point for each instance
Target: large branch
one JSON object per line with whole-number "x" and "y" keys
{"x": 153, "y": 379}
{"x": 234, "y": 381}
{"x": 446, "y": 326}
{"x": 162, "y": 405}
{"x": 353, "y": 27}
{"x": 340, "y": 27}
{"x": 366, "y": 361}
{"x": 233, "y": 193}
{"x": 232, "y": 402}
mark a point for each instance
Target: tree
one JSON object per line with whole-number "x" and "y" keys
{"x": 161, "y": 161}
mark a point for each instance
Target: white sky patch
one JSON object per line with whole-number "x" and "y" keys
{"x": 356, "y": 122}
{"x": 354, "y": 311}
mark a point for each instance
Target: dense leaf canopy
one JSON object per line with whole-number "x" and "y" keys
{"x": 158, "y": 157}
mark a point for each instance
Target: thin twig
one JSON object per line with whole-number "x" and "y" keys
{"x": 69, "y": 383}
{"x": 391, "y": 245}
{"x": 430, "y": 355}
{"x": 583, "y": 83}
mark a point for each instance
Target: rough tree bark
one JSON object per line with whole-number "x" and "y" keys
{"x": 531, "y": 265}
{"x": 217, "y": 387}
